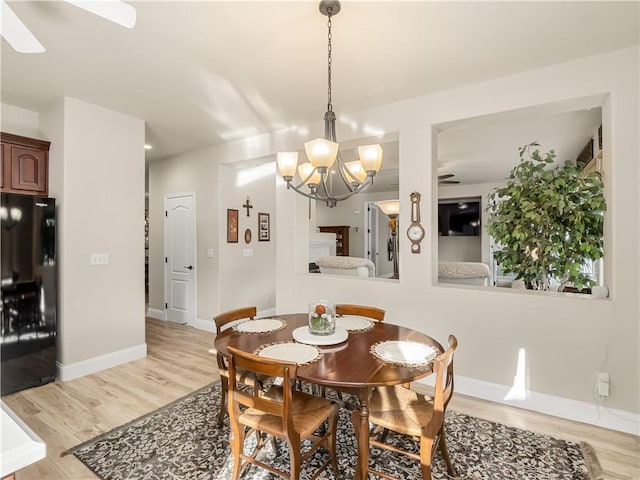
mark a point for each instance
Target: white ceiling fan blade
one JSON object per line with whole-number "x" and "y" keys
{"x": 114, "y": 10}
{"x": 16, "y": 33}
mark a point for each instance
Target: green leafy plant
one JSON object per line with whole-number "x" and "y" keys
{"x": 547, "y": 221}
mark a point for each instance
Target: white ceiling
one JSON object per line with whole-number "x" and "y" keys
{"x": 204, "y": 73}
{"x": 485, "y": 149}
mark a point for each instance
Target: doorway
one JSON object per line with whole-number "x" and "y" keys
{"x": 180, "y": 257}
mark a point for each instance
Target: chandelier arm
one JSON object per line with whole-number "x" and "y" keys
{"x": 303, "y": 193}
{"x": 323, "y": 181}
{"x": 344, "y": 173}
{"x": 344, "y": 196}
{"x": 330, "y": 198}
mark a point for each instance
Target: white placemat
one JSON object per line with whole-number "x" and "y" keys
{"x": 290, "y": 352}
{"x": 302, "y": 335}
{"x": 261, "y": 325}
{"x": 354, "y": 323}
{"x": 404, "y": 352}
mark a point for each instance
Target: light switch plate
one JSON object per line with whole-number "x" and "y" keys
{"x": 99, "y": 259}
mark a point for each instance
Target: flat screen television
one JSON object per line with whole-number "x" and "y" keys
{"x": 459, "y": 219}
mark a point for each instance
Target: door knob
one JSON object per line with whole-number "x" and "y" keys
{"x": 190, "y": 267}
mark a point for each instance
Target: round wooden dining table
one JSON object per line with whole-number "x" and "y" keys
{"x": 349, "y": 366}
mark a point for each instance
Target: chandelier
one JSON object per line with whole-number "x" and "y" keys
{"x": 323, "y": 155}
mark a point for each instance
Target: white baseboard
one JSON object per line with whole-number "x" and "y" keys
{"x": 206, "y": 325}
{"x": 209, "y": 326}
{"x": 96, "y": 364}
{"x": 157, "y": 313}
{"x": 592, "y": 414}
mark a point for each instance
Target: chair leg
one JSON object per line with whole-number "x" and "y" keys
{"x": 224, "y": 386}
{"x": 445, "y": 455}
{"x": 237, "y": 447}
{"x": 294, "y": 457}
{"x": 333, "y": 425}
{"x": 426, "y": 455}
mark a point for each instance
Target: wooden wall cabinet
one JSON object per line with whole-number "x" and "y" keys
{"x": 25, "y": 164}
{"x": 342, "y": 238}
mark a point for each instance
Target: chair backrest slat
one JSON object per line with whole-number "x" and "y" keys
{"x": 249, "y": 364}
{"x": 361, "y": 310}
{"x": 222, "y": 320}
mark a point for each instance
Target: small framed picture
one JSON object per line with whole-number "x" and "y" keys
{"x": 232, "y": 225}
{"x": 264, "y": 228}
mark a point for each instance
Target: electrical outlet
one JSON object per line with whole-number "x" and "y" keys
{"x": 602, "y": 384}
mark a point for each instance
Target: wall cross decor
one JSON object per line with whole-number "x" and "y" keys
{"x": 247, "y": 205}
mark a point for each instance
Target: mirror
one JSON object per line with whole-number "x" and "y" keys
{"x": 476, "y": 155}
{"x": 355, "y": 227}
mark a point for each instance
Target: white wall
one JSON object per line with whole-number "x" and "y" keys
{"x": 192, "y": 172}
{"x": 229, "y": 279}
{"x": 566, "y": 338}
{"x": 247, "y": 280}
{"x": 20, "y": 121}
{"x": 96, "y": 174}
{"x": 459, "y": 249}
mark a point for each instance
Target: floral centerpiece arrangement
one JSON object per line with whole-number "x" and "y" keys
{"x": 322, "y": 318}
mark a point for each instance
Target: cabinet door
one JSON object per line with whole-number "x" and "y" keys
{"x": 342, "y": 238}
{"x": 2, "y": 172}
{"x": 28, "y": 170}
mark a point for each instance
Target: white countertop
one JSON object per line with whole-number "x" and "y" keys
{"x": 19, "y": 445}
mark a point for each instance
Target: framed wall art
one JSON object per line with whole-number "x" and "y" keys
{"x": 264, "y": 227}
{"x": 232, "y": 225}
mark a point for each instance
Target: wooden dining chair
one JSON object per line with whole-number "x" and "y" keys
{"x": 373, "y": 313}
{"x": 360, "y": 310}
{"x": 222, "y": 322}
{"x": 406, "y": 412}
{"x": 281, "y": 412}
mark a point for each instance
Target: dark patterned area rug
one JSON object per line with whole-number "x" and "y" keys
{"x": 181, "y": 441}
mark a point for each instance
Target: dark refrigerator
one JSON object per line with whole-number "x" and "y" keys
{"x": 28, "y": 257}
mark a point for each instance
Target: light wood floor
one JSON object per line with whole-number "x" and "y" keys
{"x": 178, "y": 362}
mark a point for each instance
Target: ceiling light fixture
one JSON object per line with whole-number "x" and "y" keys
{"x": 323, "y": 153}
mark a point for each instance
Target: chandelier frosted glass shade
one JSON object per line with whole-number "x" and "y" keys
{"x": 371, "y": 157}
{"x": 287, "y": 163}
{"x": 309, "y": 174}
{"x": 356, "y": 169}
{"x": 389, "y": 207}
{"x": 321, "y": 153}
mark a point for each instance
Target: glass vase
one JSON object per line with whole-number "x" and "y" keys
{"x": 322, "y": 318}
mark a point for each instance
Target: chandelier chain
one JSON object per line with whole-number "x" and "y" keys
{"x": 323, "y": 154}
{"x": 329, "y": 60}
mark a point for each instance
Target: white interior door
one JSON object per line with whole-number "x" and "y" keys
{"x": 180, "y": 259}
{"x": 371, "y": 244}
